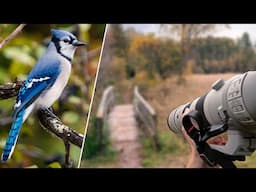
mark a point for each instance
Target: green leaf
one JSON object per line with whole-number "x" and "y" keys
{"x": 4, "y": 76}
{"x": 54, "y": 165}
{"x": 19, "y": 54}
{"x": 70, "y": 117}
{"x": 17, "y": 69}
{"x": 74, "y": 100}
{"x": 39, "y": 51}
{"x": 86, "y": 106}
{"x": 85, "y": 27}
{"x": 32, "y": 166}
{"x": 2, "y": 142}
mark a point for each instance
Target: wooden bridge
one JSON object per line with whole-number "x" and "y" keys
{"x": 124, "y": 123}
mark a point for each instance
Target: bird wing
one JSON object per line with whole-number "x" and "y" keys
{"x": 42, "y": 77}
{"x": 32, "y": 88}
{"x": 29, "y": 92}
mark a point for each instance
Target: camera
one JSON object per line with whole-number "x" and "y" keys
{"x": 228, "y": 106}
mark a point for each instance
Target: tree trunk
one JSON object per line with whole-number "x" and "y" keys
{"x": 183, "y": 49}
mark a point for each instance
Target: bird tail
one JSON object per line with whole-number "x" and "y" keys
{"x": 13, "y": 136}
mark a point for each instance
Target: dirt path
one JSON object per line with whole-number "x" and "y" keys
{"x": 124, "y": 136}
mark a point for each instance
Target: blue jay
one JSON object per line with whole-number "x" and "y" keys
{"x": 44, "y": 83}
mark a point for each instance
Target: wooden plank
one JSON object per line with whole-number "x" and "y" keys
{"x": 147, "y": 115}
{"x": 106, "y": 103}
{"x": 124, "y": 136}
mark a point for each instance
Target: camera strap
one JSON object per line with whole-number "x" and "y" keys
{"x": 201, "y": 134}
{"x": 214, "y": 157}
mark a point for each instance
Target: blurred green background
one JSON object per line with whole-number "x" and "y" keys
{"x": 36, "y": 147}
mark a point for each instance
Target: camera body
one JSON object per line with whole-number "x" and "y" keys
{"x": 232, "y": 102}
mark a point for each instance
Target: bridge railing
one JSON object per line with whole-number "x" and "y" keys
{"x": 106, "y": 103}
{"x": 146, "y": 116}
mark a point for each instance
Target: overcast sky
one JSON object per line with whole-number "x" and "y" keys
{"x": 234, "y": 30}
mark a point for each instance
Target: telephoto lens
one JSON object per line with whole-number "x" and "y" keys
{"x": 231, "y": 102}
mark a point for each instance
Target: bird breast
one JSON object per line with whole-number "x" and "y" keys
{"x": 51, "y": 95}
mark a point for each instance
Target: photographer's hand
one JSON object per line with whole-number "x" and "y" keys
{"x": 195, "y": 161}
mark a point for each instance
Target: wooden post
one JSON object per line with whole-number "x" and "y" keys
{"x": 106, "y": 103}
{"x": 147, "y": 115}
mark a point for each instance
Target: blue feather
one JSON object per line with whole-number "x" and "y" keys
{"x": 60, "y": 33}
{"x": 13, "y": 135}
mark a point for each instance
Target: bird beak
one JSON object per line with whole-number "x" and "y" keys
{"x": 79, "y": 43}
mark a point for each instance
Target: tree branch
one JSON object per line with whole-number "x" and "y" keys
{"x": 10, "y": 89}
{"x": 49, "y": 121}
{"x": 12, "y": 35}
{"x": 68, "y": 163}
{"x": 53, "y": 124}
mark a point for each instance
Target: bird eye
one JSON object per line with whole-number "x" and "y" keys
{"x": 65, "y": 40}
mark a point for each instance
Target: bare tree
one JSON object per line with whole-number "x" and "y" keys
{"x": 187, "y": 33}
